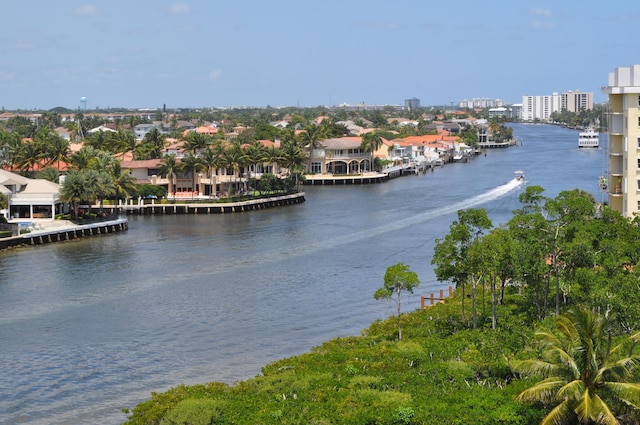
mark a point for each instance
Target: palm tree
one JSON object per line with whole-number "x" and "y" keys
{"x": 84, "y": 158}
{"x": 28, "y": 155}
{"x": 50, "y": 174}
{"x": 312, "y": 136}
{"x": 371, "y": 142}
{"x": 233, "y": 158}
{"x": 212, "y": 158}
{"x": 99, "y": 185}
{"x": 57, "y": 150}
{"x": 123, "y": 182}
{"x": 74, "y": 190}
{"x": 293, "y": 158}
{"x": 169, "y": 168}
{"x": 123, "y": 141}
{"x": 255, "y": 153}
{"x": 585, "y": 378}
{"x": 191, "y": 164}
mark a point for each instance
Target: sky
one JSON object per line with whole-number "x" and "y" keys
{"x": 234, "y": 53}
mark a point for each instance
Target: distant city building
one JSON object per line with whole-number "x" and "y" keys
{"x": 515, "y": 111}
{"x": 477, "y": 102}
{"x": 364, "y": 107}
{"x": 498, "y": 112}
{"x": 412, "y": 104}
{"x": 576, "y": 101}
{"x": 623, "y": 186}
{"x": 540, "y": 108}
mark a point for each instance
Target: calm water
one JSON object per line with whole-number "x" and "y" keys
{"x": 89, "y": 327}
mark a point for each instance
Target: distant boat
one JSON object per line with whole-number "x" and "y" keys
{"x": 519, "y": 176}
{"x": 588, "y": 138}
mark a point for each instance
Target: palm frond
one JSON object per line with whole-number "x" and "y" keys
{"x": 542, "y": 391}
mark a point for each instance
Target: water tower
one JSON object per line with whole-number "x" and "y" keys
{"x": 83, "y": 103}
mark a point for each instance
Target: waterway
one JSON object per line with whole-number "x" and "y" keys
{"x": 91, "y": 326}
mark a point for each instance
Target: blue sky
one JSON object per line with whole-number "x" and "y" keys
{"x": 198, "y": 53}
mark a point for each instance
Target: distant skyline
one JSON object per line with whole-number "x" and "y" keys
{"x": 199, "y": 53}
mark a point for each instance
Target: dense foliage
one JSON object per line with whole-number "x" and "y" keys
{"x": 450, "y": 368}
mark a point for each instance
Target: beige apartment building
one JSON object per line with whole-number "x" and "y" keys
{"x": 624, "y": 140}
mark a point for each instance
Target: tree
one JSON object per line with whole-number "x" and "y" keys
{"x": 192, "y": 164}
{"x": 451, "y": 253}
{"x": 4, "y": 201}
{"x": 74, "y": 190}
{"x": 123, "y": 182}
{"x": 397, "y": 279}
{"x": 586, "y": 378}
{"x": 371, "y": 142}
{"x": 169, "y": 168}
{"x": 256, "y": 154}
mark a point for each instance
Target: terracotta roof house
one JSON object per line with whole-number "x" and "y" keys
{"x": 30, "y": 198}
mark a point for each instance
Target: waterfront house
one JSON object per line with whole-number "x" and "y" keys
{"x": 30, "y": 198}
{"x": 342, "y": 155}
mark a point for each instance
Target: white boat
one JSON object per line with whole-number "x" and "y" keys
{"x": 588, "y": 138}
{"x": 519, "y": 176}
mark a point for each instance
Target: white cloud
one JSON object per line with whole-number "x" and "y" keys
{"x": 179, "y": 9}
{"x": 215, "y": 75}
{"x": 87, "y": 9}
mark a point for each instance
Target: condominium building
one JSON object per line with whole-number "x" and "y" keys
{"x": 540, "y": 108}
{"x": 576, "y": 101}
{"x": 624, "y": 140}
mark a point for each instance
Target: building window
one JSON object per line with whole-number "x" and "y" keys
{"x": 638, "y": 142}
{"x": 316, "y": 167}
{"x": 638, "y": 184}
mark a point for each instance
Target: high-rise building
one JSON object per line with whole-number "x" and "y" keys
{"x": 576, "y": 101}
{"x": 624, "y": 140}
{"x": 412, "y": 104}
{"x": 540, "y": 108}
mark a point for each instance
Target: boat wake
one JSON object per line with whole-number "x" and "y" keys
{"x": 475, "y": 201}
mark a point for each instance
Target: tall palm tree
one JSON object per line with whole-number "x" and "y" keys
{"x": 371, "y": 142}
{"x": 293, "y": 158}
{"x": 169, "y": 168}
{"x": 191, "y": 164}
{"x": 74, "y": 190}
{"x": 212, "y": 159}
{"x": 123, "y": 182}
{"x": 28, "y": 155}
{"x": 57, "y": 150}
{"x": 585, "y": 377}
{"x": 255, "y": 153}
{"x": 234, "y": 158}
{"x": 84, "y": 158}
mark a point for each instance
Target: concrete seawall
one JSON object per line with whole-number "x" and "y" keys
{"x": 211, "y": 208}
{"x": 64, "y": 231}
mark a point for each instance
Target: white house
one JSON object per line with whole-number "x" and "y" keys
{"x": 30, "y": 198}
